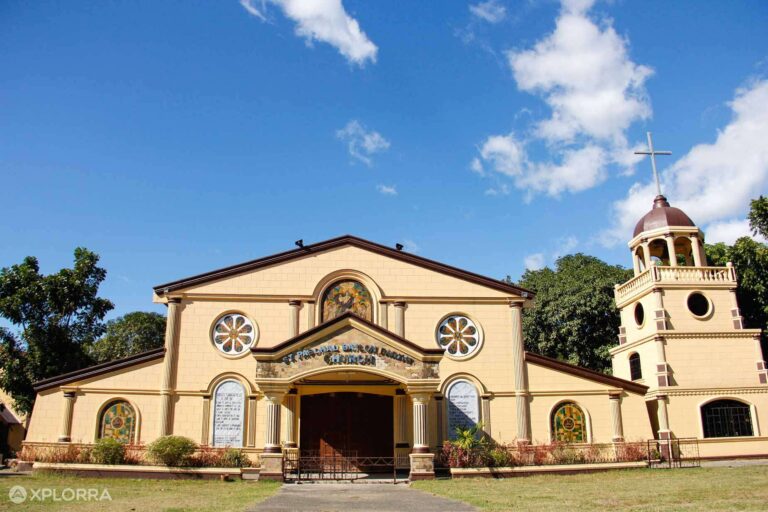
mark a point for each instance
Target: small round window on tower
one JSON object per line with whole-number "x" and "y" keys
{"x": 639, "y": 314}
{"x": 698, "y": 304}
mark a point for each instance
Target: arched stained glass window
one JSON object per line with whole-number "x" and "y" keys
{"x": 118, "y": 421}
{"x": 726, "y": 418}
{"x": 347, "y": 296}
{"x": 569, "y": 424}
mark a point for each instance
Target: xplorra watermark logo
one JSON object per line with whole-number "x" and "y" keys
{"x": 19, "y": 494}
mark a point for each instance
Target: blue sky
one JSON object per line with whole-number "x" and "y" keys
{"x": 173, "y": 138}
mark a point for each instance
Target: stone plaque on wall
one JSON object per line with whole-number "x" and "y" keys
{"x": 463, "y": 404}
{"x": 228, "y": 414}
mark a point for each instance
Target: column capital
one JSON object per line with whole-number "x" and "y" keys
{"x": 294, "y": 303}
{"x": 420, "y": 397}
{"x": 399, "y": 304}
{"x": 70, "y": 395}
{"x": 516, "y": 304}
{"x": 174, "y": 300}
{"x": 614, "y": 395}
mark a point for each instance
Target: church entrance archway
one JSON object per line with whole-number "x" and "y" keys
{"x": 347, "y": 425}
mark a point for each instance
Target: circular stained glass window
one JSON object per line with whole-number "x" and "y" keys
{"x": 459, "y": 336}
{"x": 233, "y": 334}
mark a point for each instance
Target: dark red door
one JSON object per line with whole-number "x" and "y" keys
{"x": 347, "y": 424}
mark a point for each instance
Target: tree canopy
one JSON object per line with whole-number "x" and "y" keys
{"x": 57, "y": 317}
{"x": 130, "y": 334}
{"x": 575, "y": 318}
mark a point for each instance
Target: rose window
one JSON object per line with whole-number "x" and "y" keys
{"x": 458, "y": 335}
{"x": 233, "y": 334}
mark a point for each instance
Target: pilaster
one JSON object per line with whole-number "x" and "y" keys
{"x": 169, "y": 366}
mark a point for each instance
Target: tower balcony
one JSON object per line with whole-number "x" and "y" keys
{"x": 702, "y": 277}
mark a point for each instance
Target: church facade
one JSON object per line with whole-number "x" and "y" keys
{"x": 348, "y": 346}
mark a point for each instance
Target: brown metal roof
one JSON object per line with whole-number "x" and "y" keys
{"x": 585, "y": 373}
{"x": 662, "y": 215}
{"x": 99, "y": 369}
{"x": 339, "y": 242}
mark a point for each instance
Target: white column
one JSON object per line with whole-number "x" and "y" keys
{"x": 66, "y": 423}
{"x": 272, "y": 440}
{"x": 310, "y": 315}
{"x": 252, "y": 400}
{"x": 699, "y": 258}
{"x": 646, "y": 253}
{"x": 670, "y": 239}
{"x": 295, "y": 306}
{"x": 169, "y": 366}
{"x": 290, "y": 420}
{"x": 420, "y": 401}
{"x": 521, "y": 381}
{"x": 400, "y": 318}
{"x": 384, "y": 315}
{"x": 401, "y": 421}
{"x": 616, "y": 421}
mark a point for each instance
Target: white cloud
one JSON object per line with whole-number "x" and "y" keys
{"x": 534, "y": 261}
{"x": 565, "y": 246}
{"x": 505, "y": 153}
{"x": 714, "y": 182}
{"x": 362, "y": 144}
{"x": 728, "y": 231}
{"x": 387, "y": 190}
{"x": 323, "y": 20}
{"x": 594, "y": 91}
{"x": 491, "y": 11}
{"x": 579, "y": 170}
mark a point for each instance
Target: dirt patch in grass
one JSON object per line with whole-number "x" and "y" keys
{"x": 711, "y": 489}
{"x": 138, "y": 495}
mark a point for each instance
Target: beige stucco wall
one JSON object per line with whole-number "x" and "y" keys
{"x": 549, "y": 388}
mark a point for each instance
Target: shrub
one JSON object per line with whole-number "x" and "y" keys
{"x": 172, "y": 450}
{"x": 108, "y": 451}
{"x": 232, "y": 458}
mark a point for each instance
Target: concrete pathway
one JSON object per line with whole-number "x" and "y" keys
{"x": 356, "y": 497}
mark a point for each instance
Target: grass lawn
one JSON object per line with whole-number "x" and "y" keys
{"x": 140, "y": 495}
{"x": 743, "y": 488}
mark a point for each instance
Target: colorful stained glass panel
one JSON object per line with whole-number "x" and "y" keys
{"x": 118, "y": 421}
{"x": 568, "y": 424}
{"x": 347, "y": 296}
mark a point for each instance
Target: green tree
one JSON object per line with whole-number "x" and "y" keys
{"x": 130, "y": 334}
{"x": 758, "y": 216}
{"x": 750, "y": 259}
{"x": 574, "y": 318}
{"x": 57, "y": 317}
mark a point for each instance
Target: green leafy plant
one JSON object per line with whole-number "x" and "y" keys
{"x": 172, "y": 450}
{"x": 108, "y": 451}
{"x": 233, "y": 458}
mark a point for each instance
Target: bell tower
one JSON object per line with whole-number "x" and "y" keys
{"x": 683, "y": 336}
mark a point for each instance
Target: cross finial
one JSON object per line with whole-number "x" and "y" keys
{"x": 653, "y": 160}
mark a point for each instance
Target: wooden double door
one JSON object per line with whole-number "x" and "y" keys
{"x": 347, "y": 425}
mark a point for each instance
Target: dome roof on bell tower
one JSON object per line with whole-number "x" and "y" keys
{"x": 662, "y": 215}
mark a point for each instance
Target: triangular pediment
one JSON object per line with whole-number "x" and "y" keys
{"x": 211, "y": 282}
{"x": 347, "y": 343}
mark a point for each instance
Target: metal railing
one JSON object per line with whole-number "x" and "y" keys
{"x": 348, "y": 465}
{"x": 555, "y": 453}
{"x": 674, "y": 453}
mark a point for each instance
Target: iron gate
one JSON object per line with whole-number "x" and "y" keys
{"x": 313, "y": 465}
{"x": 674, "y": 453}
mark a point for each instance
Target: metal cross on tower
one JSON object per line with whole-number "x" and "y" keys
{"x": 653, "y": 160}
